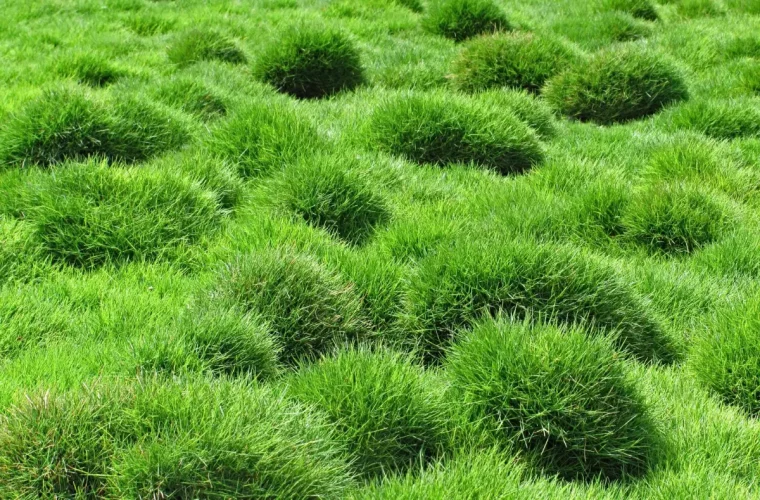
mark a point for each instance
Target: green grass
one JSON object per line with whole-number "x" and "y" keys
{"x": 309, "y": 62}
{"x": 379, "y": 249}
{"x": 616, "y": 85}
{"x": 439, "y": 129}
{"x": 559, "y": 395}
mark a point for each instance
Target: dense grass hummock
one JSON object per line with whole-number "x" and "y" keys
{"x": 328, "y": 191}
{"x": 90, "y": 69}
{"x": 642, "y": 9}
{"x": 674, "y": 218}
{"x": 616, "y": 85}
{"x": 727, "y": 119}
{"x": 68, "y": 124}
{"x": 204, "y": 45}
{"x": 309, "y": 308}
{"x": 90, "y": 214}
{"x": 391, "y": 414}
{"x": 726, "y": 358}
{"x": 457, "y": 287}
{"x": 437, "y": 129}
{"x": 518, "y": 60}
{"x": 309, "y": 62}
{"x": 263, "y": 136}
{"x": 560, "y": 395}
{"x": 463, "y": 19}
{"x": 250, "y": 439}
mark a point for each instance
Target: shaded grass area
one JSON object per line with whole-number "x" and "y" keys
{"x": 379, "y": 249}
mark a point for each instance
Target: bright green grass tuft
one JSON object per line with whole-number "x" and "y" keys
{"x": 310, "y": 62}
{"x": 388, "y": 410}
{"x": 68, "y": 124}
{"x": 674, "y": 218}
{"x": 440, "y": 129}
{"x": 163, "y": 440}
{"x": 90, "y": 69}
{"x": 560, "y": 395}
{"x": 518, "y": 60}
{"x": 328, "y": 191}
{"x": 310, "y": 309}
{"x": 616, "y": 85}
{"x": 204, "y": 45}
{"x": 461, "y": 284}
{"x": 463, "y": 19}
{"x": 218, "y": 340}
{"x": 601, "y": 29}
{"x": 642, "y": 9}
{"x": 726, "y": 119}
{"x": 527, "y": 107}
{"x": 263, "y": 136}
{"x": 192, "y": 97}
{"x": 726, "y": 357}
{"x": 90, "y": 214}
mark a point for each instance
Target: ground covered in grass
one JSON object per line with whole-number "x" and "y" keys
{"x": 380, "y": 249}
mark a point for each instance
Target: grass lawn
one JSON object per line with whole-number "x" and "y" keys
{"x": 423, "y": 249}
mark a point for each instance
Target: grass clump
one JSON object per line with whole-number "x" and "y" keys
{"x": 463, "y": 19}
{"x": 441, "y": 129}
{"x": 192, "y": 97}
{"x": 674, "y": 218}
{"x": 169, "y": 439}
{"x": 204, "y": 45}
{"x": 389, "y": 411}
{"x": 66, "y": 124}
{"x": 89, "y": 215}
{"x": 526, "y": 106}
{"x": 310, "y": 63}
{"x": 726, "y": 357}
{"x": 90, "y": 69}
{"x": 263, "y": 136}
{"x": 20, "y": 257}
{"x": 328, "y": 192}
{"x": 642, "y": 9}
{"x": 458, "y": 286}
{"x": 219, "y": 340}
{"x": 560, "y": 395}
{"x": 601, "y": 29}
{"x": 518, "y": 60}
{"x": 309, "y": 308}
{"x": 616, "y": 85}
{"x": 729, "y": 119}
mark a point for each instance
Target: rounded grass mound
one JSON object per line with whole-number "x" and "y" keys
{"x": 388, "y": 410}
{"x": 328, "y": 192}
{"x": 674, "y": 218}
{"x": 89, "y": 215}
{"x": 309, "y": 308}
{"x": 67, "y": 124}
{"x": 642, "y": 9}
{"x": 310, "y": 63}
{"x": 726, "y": 358}
{"x": 441, "y": 129}
{"x": 728, "y": 119}
{"x": 218, "y": 340}
{"x": 560, "y": 395}
{"x": 164, "y": 439}
{"x": 526, "y": 106}
{"x": 192, "y": 97}
{"x": 204, "y": 45}
{"x": 463, "y": 19}
{"x": 458, "y": 286}
{"x": 518, "y": 60}
{"x": 616, "y": 85}
{"x": 263, "y": 136}
{"x": 90, "y": 69}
